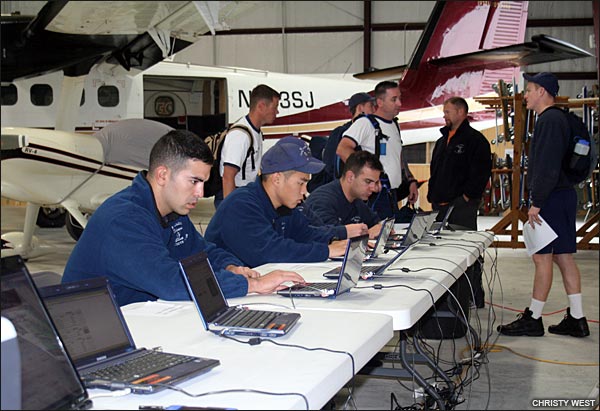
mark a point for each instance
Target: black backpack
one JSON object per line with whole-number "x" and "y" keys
{"x": 577, "y": 164}
{"x": 215, "y": 143}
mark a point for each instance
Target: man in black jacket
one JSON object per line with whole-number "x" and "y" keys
{"x": 461, "y": 165}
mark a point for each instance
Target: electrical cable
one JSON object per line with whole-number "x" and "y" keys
{"x": 233, "y": 390}
{"x": 258, "y": 340}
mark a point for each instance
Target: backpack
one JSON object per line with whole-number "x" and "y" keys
{"x": 328, "y": 157}
{"x": 581, "y": 157}
{"x": 215, "y": 143}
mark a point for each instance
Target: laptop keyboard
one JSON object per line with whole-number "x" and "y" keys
{"x": 251, "y": 319}
{"x": 130, "y": 369}
{"x": 369, "y": 268}
{"x": 315, "y": 286}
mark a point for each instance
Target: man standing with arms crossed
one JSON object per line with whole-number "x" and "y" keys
{"x": 363, "y": 134}
{"x": 552, "y": 197}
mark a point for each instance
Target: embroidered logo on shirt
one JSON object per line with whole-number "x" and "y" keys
{"x": 459, "y": 149}
{"x": 179, "y": 238}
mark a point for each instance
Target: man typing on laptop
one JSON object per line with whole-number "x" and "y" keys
{"x": 260, "y": 223}
{"x": 137, "y": 237}
{"x": 343, "y": 201}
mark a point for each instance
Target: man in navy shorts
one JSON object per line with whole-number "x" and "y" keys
{"x": 553, "y": 198}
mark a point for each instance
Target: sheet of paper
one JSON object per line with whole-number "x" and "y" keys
{"x": 538, "y": 237}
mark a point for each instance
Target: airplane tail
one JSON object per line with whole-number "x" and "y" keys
{"x": 462, "y": 28}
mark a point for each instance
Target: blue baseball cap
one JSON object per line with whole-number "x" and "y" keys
{"x": 290, "y": 153}
{"x": 546, "y": 80}
{"x": 359, "y": 98}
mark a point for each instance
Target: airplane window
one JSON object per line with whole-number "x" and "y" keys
{"x": 41, "y": 95}
{"x": 108, "y": 96}
{"x": 9, "y": 95}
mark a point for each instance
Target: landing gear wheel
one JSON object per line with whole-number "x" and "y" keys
{"x": 49, "y": 217}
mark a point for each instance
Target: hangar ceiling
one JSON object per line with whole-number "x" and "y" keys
{"x": 318, "y": 37}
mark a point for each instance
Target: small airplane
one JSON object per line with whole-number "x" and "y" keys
{"x": 105, "y": 70}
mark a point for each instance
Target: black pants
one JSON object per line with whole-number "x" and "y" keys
{"x": 464, "y": 215}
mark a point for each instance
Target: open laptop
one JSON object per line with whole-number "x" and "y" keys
{"x": 414, "y": 232}
{"x": 46, "y": 376}
{"x": 96, "y": 335}
{"x": 378, "y": 248}
{"x": 386, "y": 229}
{"x": 215, "y": 313}
{"x": 353, "y": 260}
{"x": 438, "y": 226}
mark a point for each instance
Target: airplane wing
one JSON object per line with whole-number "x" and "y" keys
{"x": 541, "y": 49}
{"x": 74, "y": 35}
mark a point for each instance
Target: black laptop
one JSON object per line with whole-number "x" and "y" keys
{"x": 48, "y": 378}
{"x": 351, "y": 266}
{"x": 96, "y": 335}
{"x": 215, "y": 313}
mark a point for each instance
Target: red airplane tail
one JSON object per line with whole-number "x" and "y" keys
{"x": 458, "y": 29}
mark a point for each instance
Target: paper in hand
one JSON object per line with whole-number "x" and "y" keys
{"x": 538, "y": 237}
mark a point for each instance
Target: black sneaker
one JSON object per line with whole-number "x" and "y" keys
{"x": 523, "y": 325}
{"x": 576, "y": 327}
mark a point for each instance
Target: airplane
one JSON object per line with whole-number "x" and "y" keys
{"x": 102, "y": 71}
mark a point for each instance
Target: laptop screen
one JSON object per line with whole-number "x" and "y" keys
{"x": 88, "y": 320}
{"x": 355, "y": 253}
{"x": 386, "y": 228}
{"x": 203, "y": 282}
{"x": 49, "y": 379}
{"x": 416, "y": 229}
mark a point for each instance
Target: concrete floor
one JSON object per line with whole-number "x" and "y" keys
{"x": 516, "y": 371}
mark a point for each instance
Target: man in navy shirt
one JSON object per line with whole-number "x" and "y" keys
{"x": 137, "y": 237}
{"x": 343, "y": 201}
{"x": 553, "y": 198}
{"x": 260, "y": 223}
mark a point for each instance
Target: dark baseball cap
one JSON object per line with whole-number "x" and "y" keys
{"x": 546, "y": 80}
{"x": 290, "y": 153}
{"x": 359, "y": 98}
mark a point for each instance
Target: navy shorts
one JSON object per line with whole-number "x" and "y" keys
{"x": 560, "y": 211}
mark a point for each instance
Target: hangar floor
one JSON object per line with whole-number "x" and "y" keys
{"x": 517, "y": 370}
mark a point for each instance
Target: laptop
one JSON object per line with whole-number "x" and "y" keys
{"x": 215, "y": 313}
{"x": 42, "y": 374}
{"x": 438, "y": 226}
{"x": 386, "y": 229}
{"x": 414, "y": 232}
{"x": 96, "y": 335}
{"x": 353, "y": 260}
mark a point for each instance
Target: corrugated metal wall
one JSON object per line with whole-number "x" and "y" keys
{"x": 342, "y": 51}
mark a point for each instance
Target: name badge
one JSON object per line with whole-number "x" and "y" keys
{"x": 382, "y": 149}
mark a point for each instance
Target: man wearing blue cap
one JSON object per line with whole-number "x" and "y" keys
{"x": 259, "y": 223}
{"x": 553, "y": 198}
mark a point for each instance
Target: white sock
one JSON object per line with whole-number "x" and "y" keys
{"x": 536, "y": 308}
{"x": 576, "y": 305}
